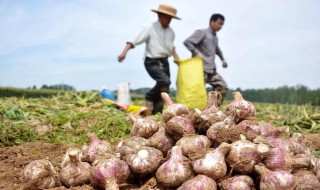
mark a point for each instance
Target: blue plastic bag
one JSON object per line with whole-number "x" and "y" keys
{"x": 107, "y": 94}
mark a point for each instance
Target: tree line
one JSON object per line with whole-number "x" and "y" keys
{"x": 299, "y": 94}
{"x": 55, "y": 87}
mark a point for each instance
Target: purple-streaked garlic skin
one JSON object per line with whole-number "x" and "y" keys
{"x": 172, "y": 109}
{"x": 75, "y": 173}
{"x": 143, "y": 127}
{"x": 40, "y": 174}
{"x": 242, "y": 108}
{"x": 283, "y": 154}
{"x": 104, "y": 172}
{"x": 240, "y": 182}
{"x": 228, "y": 131}
{"x": 179, "y": 126}
{"x": 201, "y": 182}
{"x": 249, "y": 128}
{"x": 162, "y": 141}
{"x": 283, "y": 160}
{"x": 95, "y": 148}
{"x": 305, "y": 179}
{"x": 279, "y": 179}
{"x": 174, "y": 171}
{"x": 144, "y": 160}
{"x": 244, "y": 155}
{"x": 276, "y": 159}
{"x": 281, "y": 143}
{"x": 192, "y": 143}
{"x": 252, "y": 128}
{"x": 268, "y": 130}
{"x": 213, "y": 163}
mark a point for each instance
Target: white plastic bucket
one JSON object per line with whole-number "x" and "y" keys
{"x": 124, "y": 93}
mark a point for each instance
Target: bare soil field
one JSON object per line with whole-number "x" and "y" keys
{"x": 14, "y": 159}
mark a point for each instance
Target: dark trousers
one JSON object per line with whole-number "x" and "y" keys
{"x": 217, "y": 83}
{"x": 158, "y": 69}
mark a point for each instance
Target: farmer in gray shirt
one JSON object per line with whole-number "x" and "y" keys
{"x": 203, "y": 43}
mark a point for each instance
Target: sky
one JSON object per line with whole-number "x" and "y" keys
{"x": 267, "y": 44}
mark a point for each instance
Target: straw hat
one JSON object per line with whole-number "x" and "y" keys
{"x": 166, "y": 9}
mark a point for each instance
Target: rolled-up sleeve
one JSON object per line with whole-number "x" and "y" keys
{"x": 194, "y": 40}
{"x": 143, "y": 36}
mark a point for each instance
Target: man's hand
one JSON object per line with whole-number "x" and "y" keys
{"x": 124, "y": 52}
{"x": 199, "y": 55}
{"x": 121, "y": 57}
{"x": 224, "y": 64}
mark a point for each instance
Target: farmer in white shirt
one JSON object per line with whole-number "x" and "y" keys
{"x": 159, "y": 38}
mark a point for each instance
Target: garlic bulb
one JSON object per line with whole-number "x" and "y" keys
{"x": 305, "y": 179}
{"x": 192, "y": 143}
{"x": 179, "y": 126}
{"x": 75, "y": 173}
{"x": 211, "y": 113}
{"x": 242, "y": 108}
{"x": 162, "y": 141}
{"x": 143, "y": 127}
{"x": 174, "y": 171}
{"x": 244, "y": 155}
{"x": 279, "y": 179}
{"x": 40, "y": 174}
{"x": 213, "y": 163}
{"x": 199, "y": 182}
{"x": 109, "y": 173}
{"x": 144, "y": 160}
{"x": 240, "y": 182}
{"x": 96, "y": 148}
{"x": 172, "y": 109}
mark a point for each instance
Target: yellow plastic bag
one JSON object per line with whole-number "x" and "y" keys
{"x": 191, "y": 89}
